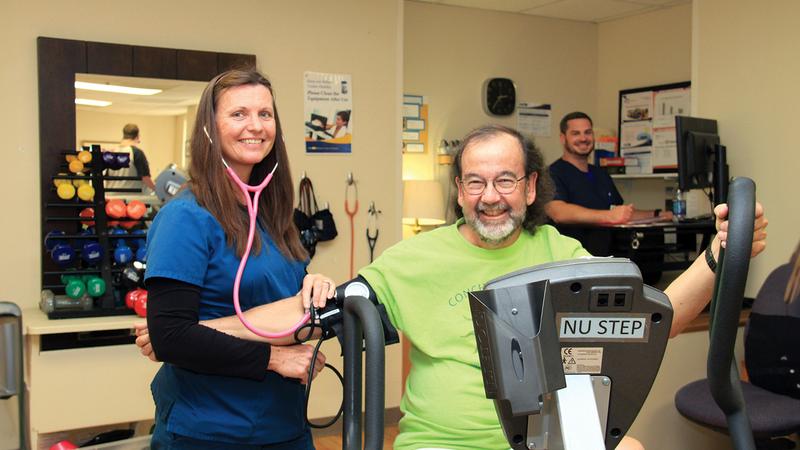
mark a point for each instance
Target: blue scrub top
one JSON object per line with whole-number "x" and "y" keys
{"x": 186, "y": 243}
{"x": 594, "y": 189}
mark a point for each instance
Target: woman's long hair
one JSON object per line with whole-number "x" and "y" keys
{"x": 216, "y": 192}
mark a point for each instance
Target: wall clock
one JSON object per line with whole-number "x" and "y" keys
{"x": 499, "y": 96}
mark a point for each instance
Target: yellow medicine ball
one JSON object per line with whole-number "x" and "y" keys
{"x": 86, "y": 192}
{"x": 84, "y": 156}
{"x": 75, "y": 166}
{"x": 65, "y": 191}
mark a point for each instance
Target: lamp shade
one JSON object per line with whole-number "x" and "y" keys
{"x": 422, "y": 203}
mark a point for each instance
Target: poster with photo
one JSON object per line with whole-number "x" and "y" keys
{"x": 328, "y": 112}
{"x": 646, "y": 125}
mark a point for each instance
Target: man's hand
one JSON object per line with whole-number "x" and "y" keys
{"x": 143, "y": 341}
{"x": 759, "y": 228}
{"x": 620, "y": 214}
{"x": 293, "y": 361}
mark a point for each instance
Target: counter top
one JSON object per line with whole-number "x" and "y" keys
{"x": 35, "y": 322}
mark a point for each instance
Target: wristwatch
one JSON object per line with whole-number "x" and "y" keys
{"x": 712, "y": 264}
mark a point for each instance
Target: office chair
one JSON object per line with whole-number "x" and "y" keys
{"x": 772, "y": 358}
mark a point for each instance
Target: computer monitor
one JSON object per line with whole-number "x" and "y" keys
{"x": 701, "y": 159}
{"x": 317, "y": 122}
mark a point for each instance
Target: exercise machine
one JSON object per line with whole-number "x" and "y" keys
{"x": 569, "y": 350}
{"x": 12, "y": 381}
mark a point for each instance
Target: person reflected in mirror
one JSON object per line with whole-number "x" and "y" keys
{"x": 137, "y": 166}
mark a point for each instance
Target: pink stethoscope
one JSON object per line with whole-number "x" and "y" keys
{"x": 252, "y": 210}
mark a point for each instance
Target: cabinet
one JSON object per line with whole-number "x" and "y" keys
{"x": 100, "y": 381}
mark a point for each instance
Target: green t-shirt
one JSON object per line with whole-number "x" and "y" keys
{"x": 423, "y": 282}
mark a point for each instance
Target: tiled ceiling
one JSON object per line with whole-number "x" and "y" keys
{"x": 595, "y": 11}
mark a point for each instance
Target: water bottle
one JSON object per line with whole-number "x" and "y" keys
{"x": 678, "y": 206}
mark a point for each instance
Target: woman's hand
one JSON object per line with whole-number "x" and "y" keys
{"x": 293, "y": 361}
{"x": 143, "y": 341}
{"x": 759, "y": 228}
{"x": 316, "y": 290}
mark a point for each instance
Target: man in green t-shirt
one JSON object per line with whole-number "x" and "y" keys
{"x": 423, "y": 283}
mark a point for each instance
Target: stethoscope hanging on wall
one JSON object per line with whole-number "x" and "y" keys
{"x": 372, "y": 222}
{"x": 352, "y": 213}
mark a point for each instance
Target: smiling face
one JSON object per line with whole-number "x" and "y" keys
{"x": 494, "y": 220}
{"x": 578, "y": 139}
{"x": 245, "y": 119}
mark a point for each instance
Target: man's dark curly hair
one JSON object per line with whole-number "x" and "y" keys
{"x": 534, "y": 162}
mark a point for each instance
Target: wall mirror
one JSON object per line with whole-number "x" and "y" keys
{"x": 164, "y": 112}
{"x": 63, "y": 61}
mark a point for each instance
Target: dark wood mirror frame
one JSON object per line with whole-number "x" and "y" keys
{"x": 58, "y": 62}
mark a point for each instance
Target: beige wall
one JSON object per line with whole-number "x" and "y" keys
{"x": 358, "y": 37}
{"x": 450, "y": 51}
{"x": 745, "y": 76}
{"x": 158, "y": 134}
{"x": 659, "y": 426}
{"x": 638, "y": 51}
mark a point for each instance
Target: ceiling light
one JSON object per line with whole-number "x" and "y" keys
{"x": 89, "y": 102}
{"x": 115, "y": 88}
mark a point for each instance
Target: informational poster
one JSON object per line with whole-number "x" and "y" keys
{"x": 647, "y": 124}
{"x": 328, "y": 112}
{"x": 534, "y": 119}
{"x": 415, "y": 124}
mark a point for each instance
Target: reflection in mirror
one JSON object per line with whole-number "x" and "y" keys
{"x": 165, "y": 117}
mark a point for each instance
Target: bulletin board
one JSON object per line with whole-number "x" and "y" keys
{"x": 646, "y": 125}
{"x": 415, "y": 124}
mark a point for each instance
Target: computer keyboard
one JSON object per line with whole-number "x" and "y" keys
{"x": 700, "y": 218}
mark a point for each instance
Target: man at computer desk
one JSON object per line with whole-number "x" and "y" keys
{"x": 586, "y": 197}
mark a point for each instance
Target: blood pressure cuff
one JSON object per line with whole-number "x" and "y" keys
{"x": 331, "y": 317}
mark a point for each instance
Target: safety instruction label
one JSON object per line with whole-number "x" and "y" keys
{"x": 582, "y": 359}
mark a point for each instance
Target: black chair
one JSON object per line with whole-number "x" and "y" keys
{"x": 772, "y": 358}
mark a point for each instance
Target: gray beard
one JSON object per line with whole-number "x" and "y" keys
{"x": 495, "y": 234}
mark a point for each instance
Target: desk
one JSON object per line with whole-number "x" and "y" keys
{"x": 666, "y": 240}
{"x": 654, "y": 247}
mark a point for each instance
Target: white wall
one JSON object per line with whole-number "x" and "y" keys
{"x": 659, "y": 426}
{"x": 358, "y": 37}
{"x": 639, "y": 51}
{"x": 744, "y": 75}
{"x": 158, "y": 134}
{"x": 450, "y": 51}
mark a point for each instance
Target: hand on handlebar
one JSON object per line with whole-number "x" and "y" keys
{"x": 759, "y": 228}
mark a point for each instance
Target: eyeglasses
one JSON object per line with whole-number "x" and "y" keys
{"x": 503, "y": 185}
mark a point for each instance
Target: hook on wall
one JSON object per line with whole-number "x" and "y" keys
{"x": 350, "y": 179}
{"x": 372, "y": 210}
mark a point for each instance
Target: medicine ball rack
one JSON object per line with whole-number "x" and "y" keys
{"x": 53, "y": 212}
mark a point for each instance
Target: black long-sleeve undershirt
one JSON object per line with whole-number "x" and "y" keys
{"x": 177, "y": 337}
